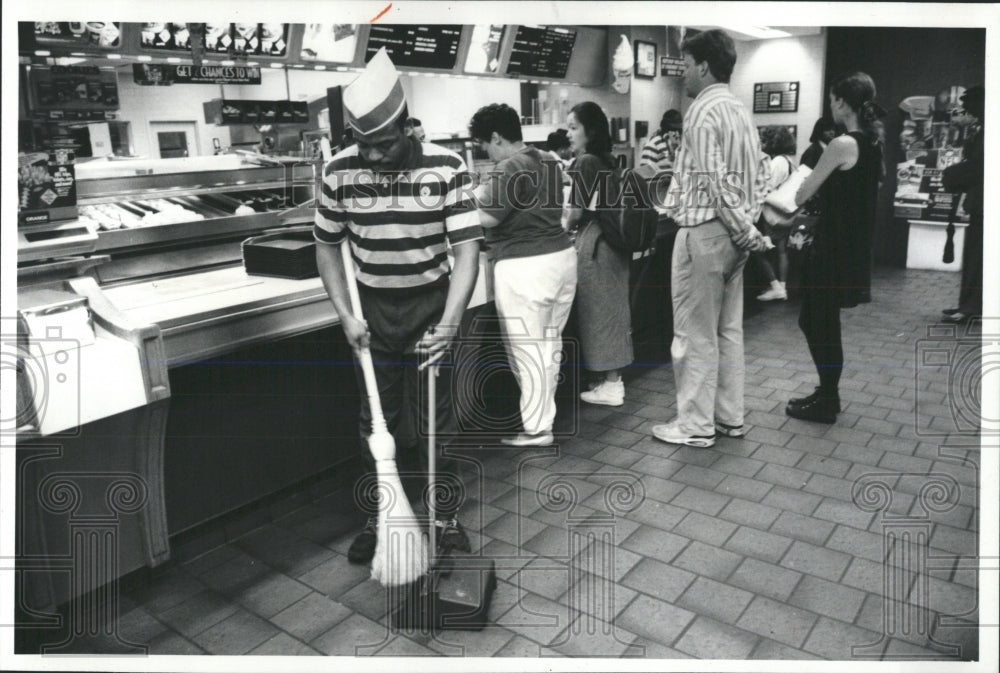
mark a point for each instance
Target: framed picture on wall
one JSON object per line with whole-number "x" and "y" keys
{"x": 645, "y": 59}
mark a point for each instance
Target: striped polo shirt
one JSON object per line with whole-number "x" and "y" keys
{"x": 716, "y": 173}
{"x": 656, "y": 153}
{"x": 400, "y": 224}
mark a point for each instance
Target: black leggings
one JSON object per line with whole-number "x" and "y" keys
{"x": 819, "y": 320}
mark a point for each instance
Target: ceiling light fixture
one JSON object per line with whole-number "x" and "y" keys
{"x": 758, "y": 32}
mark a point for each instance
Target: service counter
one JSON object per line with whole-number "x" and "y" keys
{"x": 191, "y": 396}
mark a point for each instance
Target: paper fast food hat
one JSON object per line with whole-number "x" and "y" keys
{"x": 375, "y": 99}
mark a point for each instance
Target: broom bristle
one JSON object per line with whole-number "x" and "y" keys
{"x": 401, "y": 550}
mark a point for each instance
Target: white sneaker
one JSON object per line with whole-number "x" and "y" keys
{"x": 610, "y": 393}
{"x": 671, "y": 434}
{"x": 524, "y": 439}
{"x": 777, "y": 291}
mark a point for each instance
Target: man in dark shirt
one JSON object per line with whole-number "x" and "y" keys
{"x": 967, "y": 176}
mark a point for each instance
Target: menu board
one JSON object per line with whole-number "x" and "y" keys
{"x": 329, "y": 42}
{"x": 434, "y": 46}
{"x": 165, "y": 36}
{"x": 541, "y": 51}
{"x": 60, "y": 91}
{"x": 79, "y": 34}
{"x": 250, "y": 39}
{"x": 484, "y": 49}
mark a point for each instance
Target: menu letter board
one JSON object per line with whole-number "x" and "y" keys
{"x": 541, "y": 51}
{"x": 433, "y": 46}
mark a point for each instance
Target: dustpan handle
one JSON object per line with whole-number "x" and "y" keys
{"x": 432, "y": 372}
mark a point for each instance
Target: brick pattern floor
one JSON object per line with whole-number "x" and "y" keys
{"x": 799, "y": 541}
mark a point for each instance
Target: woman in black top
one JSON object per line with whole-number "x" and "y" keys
{"x": 836, "y": 273}
{"x": 824, "y": 131}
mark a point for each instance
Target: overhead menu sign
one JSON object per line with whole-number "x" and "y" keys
{"x": 79, "y": 34}
{"x": 433, "y": 46}
{"x": 153, "y": 74}
{"x": 331, "y": 42}
{"x": 166, "y": 36}
{"x": 484, "y": 50}
{"x": 541, "y": 51}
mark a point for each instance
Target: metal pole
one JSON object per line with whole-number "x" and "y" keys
{"x": 432, "y": 456}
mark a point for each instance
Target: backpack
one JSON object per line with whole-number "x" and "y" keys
{"x": 632, "y": 226}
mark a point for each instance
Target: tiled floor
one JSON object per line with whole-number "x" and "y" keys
{"x": 800, "y": 541}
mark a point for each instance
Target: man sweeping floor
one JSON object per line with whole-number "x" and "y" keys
{"x": 398, "y": 203}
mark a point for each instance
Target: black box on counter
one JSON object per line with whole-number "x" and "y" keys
{"x": 46, "y": 187}
{"x": 289, "y": 253}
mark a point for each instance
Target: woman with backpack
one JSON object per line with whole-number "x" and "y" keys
{"x": 604, "y": 318}
{"x": 779, "y": 145}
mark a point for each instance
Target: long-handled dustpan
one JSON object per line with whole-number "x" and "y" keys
{"x": 457, "y": 592}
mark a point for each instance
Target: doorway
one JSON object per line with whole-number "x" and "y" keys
{"x": 175, "y": 139}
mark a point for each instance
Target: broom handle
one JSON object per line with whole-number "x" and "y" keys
{"x": 364, "y": 354}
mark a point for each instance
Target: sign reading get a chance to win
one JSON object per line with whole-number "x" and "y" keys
{"x": 160, "y": 74}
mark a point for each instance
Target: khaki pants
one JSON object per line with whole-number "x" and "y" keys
{"x": 707, "y": 350}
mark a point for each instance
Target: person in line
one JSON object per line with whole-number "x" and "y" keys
{"x": 604, "y": 316}
{"x": 534, "y": 276}
{"x": 411, "y": 296}
{"x": 716, "y": 235}
{"x": 967, "y": 176}
{"x": 660, "y": 151}
{"x": 824, "y": 131}
{"x": 557, "y": 143}
{"x": 417, "y": 128}
{"x": 779, "y": 145}
{"x": 835, "y": 269}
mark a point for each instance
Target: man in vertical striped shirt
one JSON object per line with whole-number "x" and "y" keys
{"x": 402, "y": 206}
{"x": 715, "y": 197}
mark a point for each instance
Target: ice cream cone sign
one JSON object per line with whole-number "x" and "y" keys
{"x": 622, "y": 64}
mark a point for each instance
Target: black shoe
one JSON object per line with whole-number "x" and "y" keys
{"x": 362, "y": 550}
{"x": 820, "y": 410}
{"x": 809, "y": 399}
{"x": 451, "y": 536}
{"x": 957, "y": 317}
{"x": 950, "y": 311}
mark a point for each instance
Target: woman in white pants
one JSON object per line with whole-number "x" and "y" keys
{"x": 534, "y": 277}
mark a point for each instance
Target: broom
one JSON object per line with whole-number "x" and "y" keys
{"x": 400, "y": 550}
